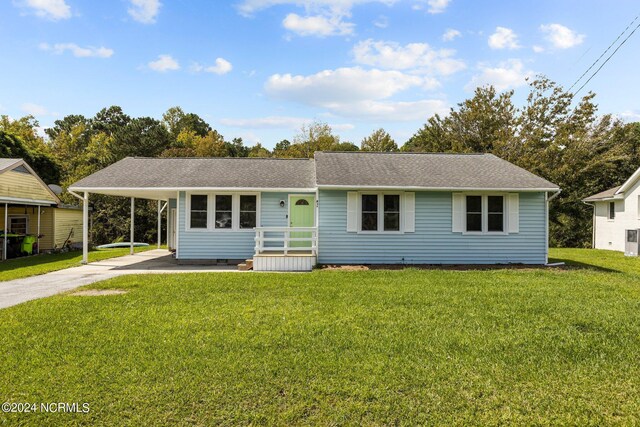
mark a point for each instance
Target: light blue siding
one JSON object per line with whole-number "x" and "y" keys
{"x": 232, "y": 245}
{"x": 433, "y": 242}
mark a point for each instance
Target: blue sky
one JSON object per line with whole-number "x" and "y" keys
{"x": 258, "y": 69}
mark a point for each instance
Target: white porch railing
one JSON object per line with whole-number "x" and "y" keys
{"x": 281, "y": 240}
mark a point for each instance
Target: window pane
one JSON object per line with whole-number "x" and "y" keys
{"x": 612, "y": 210}
{"x": 391, "y": 221}
{"x": 247, "y": 219}
{"x": 496, "y": 204}
{"x": 223, "y": 211}
{"x": 223, "y": 219}
{"x": 198, "y": 214}
{"x": 198, "y": 202}
{"x": 392, "y": 203}
{"x": 198, "y": 219}
{"x": 248, "y": 203}
{"x": 369, "y": 221}
{"x": 495, "y": 222}
{"x": 474, "y": 204}
{"x": 223, "y": 203}
{"x": 369, "y": 203}
{"x": 474, "y": 222}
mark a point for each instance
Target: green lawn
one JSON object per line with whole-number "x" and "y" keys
{"x": 30, "y": 266}
{"x": 377, "y": 347}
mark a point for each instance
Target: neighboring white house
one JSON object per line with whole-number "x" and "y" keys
{"x": 615, "y": 211}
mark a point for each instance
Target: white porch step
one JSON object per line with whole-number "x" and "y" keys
{"x": 281, "y": 262}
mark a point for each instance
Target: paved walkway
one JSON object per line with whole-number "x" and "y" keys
{"x": 156, "y": 261}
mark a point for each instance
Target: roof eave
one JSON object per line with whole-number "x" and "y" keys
{"x": 421, "y": 188}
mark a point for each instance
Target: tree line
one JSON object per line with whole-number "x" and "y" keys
{"x": 554, "y": 135}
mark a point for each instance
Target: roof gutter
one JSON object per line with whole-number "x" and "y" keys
{"x": 419, "y": 188}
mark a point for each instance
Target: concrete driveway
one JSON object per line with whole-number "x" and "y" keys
{"x": 157, "y": 261}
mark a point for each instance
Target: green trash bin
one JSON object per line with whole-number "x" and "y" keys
{"x": 27, "y": 244}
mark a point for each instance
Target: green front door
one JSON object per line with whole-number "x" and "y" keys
{"x": 301, "y": 214}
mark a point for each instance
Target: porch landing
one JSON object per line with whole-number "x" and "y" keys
{"x": 292, "y": 261}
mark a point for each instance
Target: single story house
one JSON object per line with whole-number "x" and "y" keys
{"x": 30, "y": 207}
{"x": 615, "y": 211}
{"x": 341, "y": 208}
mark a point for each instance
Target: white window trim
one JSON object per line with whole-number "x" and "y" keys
{"x": 10, "y": 217}
{"x": 485, "y": 215}
{"x": 211, "y": 212}
{"x": 380, "y": 195}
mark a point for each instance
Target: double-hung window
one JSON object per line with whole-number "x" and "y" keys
{"x": 248, "y": 211}
{"x": 380, "y": 212}
{"x": 224, "y": 211}
{"x": 485, "y": 214}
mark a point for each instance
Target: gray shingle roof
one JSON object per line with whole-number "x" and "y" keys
{"x": 5, "y": 163}
{"x": 136, "y": 172}
{"x": 349, "y": 170}
{"x": 423, "y": 170}
{"x": 606, "y": 194}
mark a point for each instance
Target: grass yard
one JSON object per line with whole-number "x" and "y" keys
{"x": 337, "y": 347}
{"x": 33, "y": 265}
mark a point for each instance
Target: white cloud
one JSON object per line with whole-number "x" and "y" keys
{"x": 538, "y": 49}
{"x": 164, "y": 63}
{"x": 321, "y": 18}
{"x": 317, "y": 25}
{"x": 49, "y": 9}
{"x": 503, "y": 38}
{"x": 340, "y": 85}
{"x": 630, "y": 116}
{"x": 506, "y": 75}
{"x": 451, "y": 34}
{"x": 437, "y": 6}
{"x": 34, "y": 109}
{"x": 392, "y": 110}
{"x": 221, "y": 67}
{"x": 355, "y": 92}
{"x": 144, "y": 11}
{"x": 391, "y": 55}
{"x": 341, "y": 7}
{"x": 561, "y": 37}
{"x": 381, "y": 22}
{"x": 78, "y": 51}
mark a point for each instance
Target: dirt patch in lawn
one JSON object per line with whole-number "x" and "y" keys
{"x": 98, "y": 292}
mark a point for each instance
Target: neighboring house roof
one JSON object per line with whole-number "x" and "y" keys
{"x": 8, "y": 163}
{"x": 604, "y": 195}
{"x": 203, "y": 173}
{"x": 424, "y": 170}
{"x": 16, "y": 189}
{"x": 328, "y": 170}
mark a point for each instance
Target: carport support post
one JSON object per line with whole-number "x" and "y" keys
{"x": 38, "y": 235}
{"x": 85, "y": 228}
{"x": 159, "y": 224}
{"x": 133, "y": 206}
{"x": 6, "y": 223}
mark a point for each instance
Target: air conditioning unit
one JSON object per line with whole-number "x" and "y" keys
{"x": 632, "y": 242}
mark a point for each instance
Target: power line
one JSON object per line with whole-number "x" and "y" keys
{"x": 603, "y": 53}
{"x": 607, "y": 60}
